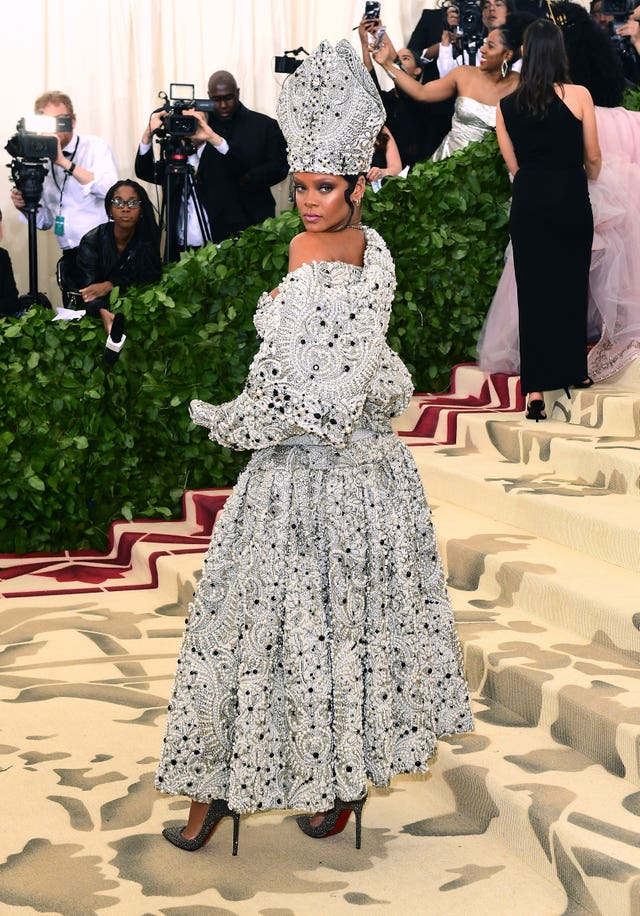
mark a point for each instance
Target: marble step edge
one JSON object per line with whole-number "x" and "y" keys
{"x": 578, "y": 825}
{"x": 498, "y": 569}
{"x": 603, "y": 526}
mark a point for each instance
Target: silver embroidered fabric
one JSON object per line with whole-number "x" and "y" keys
{"x": 320, "y": 650}
{"x": 471, "y": 121}
{"x": 330, "y": 113}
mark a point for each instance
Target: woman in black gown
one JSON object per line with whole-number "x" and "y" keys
{"x": 548, "y": 138}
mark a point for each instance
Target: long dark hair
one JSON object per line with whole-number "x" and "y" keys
{"x": 147, "y": 226}
{"x": 544, "y": 63}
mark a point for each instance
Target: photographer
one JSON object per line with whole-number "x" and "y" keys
{"x": 241, "y": 154}
{"x": 454, "y": 50}
{"x": 74, "y": 188}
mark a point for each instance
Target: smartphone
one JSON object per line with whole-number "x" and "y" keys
{"x": 379, "y": 37}
{"x": 371, "y": 10}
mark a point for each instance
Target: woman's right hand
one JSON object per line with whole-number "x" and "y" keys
{"x": 17, "y": 199}
{"x": 367, "y": 27}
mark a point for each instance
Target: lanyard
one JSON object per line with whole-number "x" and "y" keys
{"x": 66, "y": 176}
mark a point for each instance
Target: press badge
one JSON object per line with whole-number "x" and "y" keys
{"x": 58, "y": 226}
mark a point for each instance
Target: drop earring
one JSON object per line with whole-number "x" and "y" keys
{"x": 504, "y": 69}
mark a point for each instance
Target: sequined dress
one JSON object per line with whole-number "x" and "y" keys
{"x": 471, "y": 121}
{"x": 320, "y": 650}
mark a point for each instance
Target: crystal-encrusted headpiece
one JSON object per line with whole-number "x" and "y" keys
{"x": 330, "y": 113}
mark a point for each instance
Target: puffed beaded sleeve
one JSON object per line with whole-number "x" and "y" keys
{"x": 323, "y": 343}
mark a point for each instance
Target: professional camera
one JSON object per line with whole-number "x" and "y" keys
{"x": 34, "y": 139}
{"x": 468, "y": 34}
{"x": 30, "y": 146}
{"x": 181, "y": 97}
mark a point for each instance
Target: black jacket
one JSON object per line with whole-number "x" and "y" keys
{"x": 8, "y": 288}
{"x": 99, "y": 260}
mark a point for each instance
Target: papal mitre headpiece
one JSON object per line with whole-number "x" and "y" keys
{"x": 330, "y": 113}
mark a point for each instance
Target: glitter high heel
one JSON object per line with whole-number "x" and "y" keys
{"x": 334, "y": 820}
{"x": 215, "y": 812}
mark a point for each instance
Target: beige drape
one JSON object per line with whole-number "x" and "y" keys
{"x": 113, "y": 56}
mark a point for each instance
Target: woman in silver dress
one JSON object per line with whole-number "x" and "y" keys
{"x": 320, "y": 650}
{"x": 477, "y": 90}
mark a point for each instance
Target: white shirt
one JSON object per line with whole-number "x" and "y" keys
{"x": 82, "y": 205}
{"x": 195, "y": 237}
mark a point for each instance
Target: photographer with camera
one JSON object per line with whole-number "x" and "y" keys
{"x": 472, "y": 21}
{"x": 74, "y": 187}
{"x": 240, "y": 155}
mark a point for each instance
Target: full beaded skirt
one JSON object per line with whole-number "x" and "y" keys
{"x": 320, "y": 650}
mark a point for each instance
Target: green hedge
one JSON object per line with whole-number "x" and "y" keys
{"x": 82, "y": 444}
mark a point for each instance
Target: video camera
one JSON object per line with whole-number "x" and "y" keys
{"x": 34, "y": 141}
{"x": 467, "y": 35}
{"x": 181, "y": 97}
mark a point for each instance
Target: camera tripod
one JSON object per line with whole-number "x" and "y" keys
{"x": 28, "y": 178}
{"x": 177, "y": 166}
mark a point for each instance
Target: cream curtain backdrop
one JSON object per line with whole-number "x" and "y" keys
{"x": 114, "y": 56}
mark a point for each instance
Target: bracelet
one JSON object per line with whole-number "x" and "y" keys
{"x": 392, "y": 74}
{"x": 71, "y": 168}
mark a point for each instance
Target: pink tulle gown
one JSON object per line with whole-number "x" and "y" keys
{"x": 614, "y": 278}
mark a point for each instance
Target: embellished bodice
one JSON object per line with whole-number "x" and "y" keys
{"x": 471, "y": 121}
{"x": 324, "y": 367}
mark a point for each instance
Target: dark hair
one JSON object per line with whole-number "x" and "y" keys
{"x": 512, "y": 32}
{"x": 147, "y": 225}
{"x": 351, "y": 180}
{"x": 544, "y": 64}
{"x": 593, "y": 60}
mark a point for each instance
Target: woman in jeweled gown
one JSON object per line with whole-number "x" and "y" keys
{"x": 320, "y": 650}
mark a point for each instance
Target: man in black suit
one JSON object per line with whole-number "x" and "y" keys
{"x": 239, "y": 154}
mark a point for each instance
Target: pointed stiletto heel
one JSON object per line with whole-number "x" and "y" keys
{"x": 567, "y": 392}
{"x": 335, "y": 820}
{"x": 216, "y": 811}
{"x": 536, "y": 411}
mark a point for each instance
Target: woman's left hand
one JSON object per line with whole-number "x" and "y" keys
{"x": 96, "y": 291}
{"x": 385, "y": 53}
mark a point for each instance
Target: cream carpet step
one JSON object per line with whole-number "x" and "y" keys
{"x": 600, "y": 523}
{"x": 565, "y": 816}
{"x": 497, "y": 567}
{"x": 584, "y": 455}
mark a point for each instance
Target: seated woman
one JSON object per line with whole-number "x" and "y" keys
{"x": 477, "y": 90}
{"x": 124, "y": 251}
{"x": 386, "y": 162}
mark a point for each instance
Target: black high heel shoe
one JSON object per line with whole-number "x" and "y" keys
{"x": 216, "y": 811}
{"x": 536, "y": 411}
{"x": 334, "y": 820}
{"x": 587, "y": 383}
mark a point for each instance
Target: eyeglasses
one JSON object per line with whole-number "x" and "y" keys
{"x": 120, "y": 204}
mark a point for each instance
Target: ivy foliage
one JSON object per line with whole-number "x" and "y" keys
{"x": 83, "y": 444}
